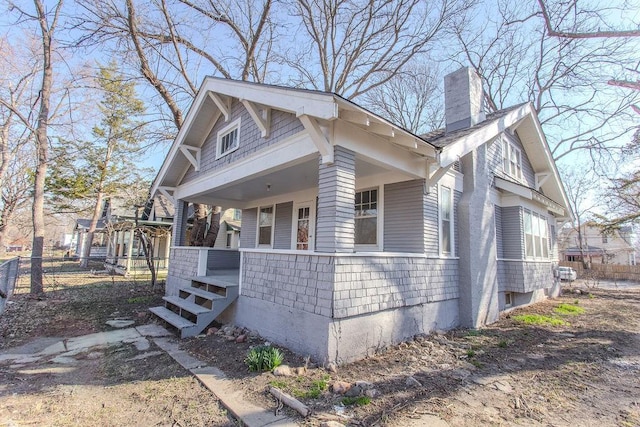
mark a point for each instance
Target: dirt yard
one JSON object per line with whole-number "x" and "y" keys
{"x": 581, "y": 368}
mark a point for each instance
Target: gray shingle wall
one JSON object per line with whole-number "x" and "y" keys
{"x": 403, "y": 217}
{"x": 431, "y": 223}
{"x": 283, "y": 125}
{"x": 512, "y": 233}
{"x": 370, "y": 284}
{"x": 336, "y": 194}
{"x": 249, "y": 224}
{"x": 304, "y": 282}
{"x": 183, "y": 264}
{"x": 498, "y": 219}
{"x": 523, "y": 276}
{"x": 347, "y": 286}
{"x": 282, "y": 233}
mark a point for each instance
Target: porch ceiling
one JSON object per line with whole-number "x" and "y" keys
{"x": 272, "y": 184}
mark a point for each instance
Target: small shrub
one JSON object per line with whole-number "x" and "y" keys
{"x": 470, "y": 353}
{"x": 263, "y": 358}
{"x": 568, "y": 309}
{"x": 537, "y": 319}
{"x": 358, "y": 401}
{"x": 503, "y": 344}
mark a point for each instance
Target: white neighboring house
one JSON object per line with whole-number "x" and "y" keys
{"x": 615, "y": 247}
{"x": 356, "y": 233}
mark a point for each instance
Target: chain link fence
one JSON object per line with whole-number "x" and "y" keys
{"x": 64, "y": 272}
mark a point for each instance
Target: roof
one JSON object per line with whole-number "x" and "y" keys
{"x": 441, "y": 139}
{"x": 83, "y": 223}
{"x": 589, "y": 250}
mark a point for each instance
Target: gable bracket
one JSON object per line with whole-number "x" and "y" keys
{"x": 435, "y": 173}
{"x": 192, "y": 154}
{"x": 541, "y": 178}
{"x": 317, "y": 136}
{"x": 223, "y": 104}
{"x": 261, "y": 118}
{"x": 168, "y": 192}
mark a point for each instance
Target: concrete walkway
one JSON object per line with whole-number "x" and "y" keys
{"x": 62, "y": 351}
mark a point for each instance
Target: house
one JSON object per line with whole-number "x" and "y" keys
{"x": 80, "y": 235}
{"x": 357, "y": 234}
{"x": 615, "y": 247}
{"x": 125, "y": 253}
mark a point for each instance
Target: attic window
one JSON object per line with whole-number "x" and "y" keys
{"x": 228, "y": 139}
{"x": 511, "y": 159}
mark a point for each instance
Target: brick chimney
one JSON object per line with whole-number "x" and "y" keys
{"x": 462, "y": 99}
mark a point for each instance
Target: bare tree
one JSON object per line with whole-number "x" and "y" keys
{"x": 586, "y": 20}
{"x": 353, "y": 47}
{"x": 412, "y": 98}
{"x": 566, "y": 79}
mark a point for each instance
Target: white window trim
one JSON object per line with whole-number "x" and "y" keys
{"x": 452, "y": 254}
{"x": 379, "y": 224}
{"x": 312, "y": 225}
{"x": 507, "y": 148}
{"x": 508, "y": 296}
{"x": 545, "y": 222}
{"x": 273, "y": 226}
{"x": 223, "y": 132}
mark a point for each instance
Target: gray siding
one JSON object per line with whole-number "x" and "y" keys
{"x": 512, "y": 233}
{"x": 180, "y": 223}
{"x": 336, "y": 194}
{"x": 282, "y": 232}
{"x": 223, "y": 259}
{"x": 456, "y": 198}
{"x": 283, "y": 125}
{"x": 403, "y": 217}
{"x": 498, "y": 219}
{"x": 249, "y": 224}
{"x": 431, "y": 223}
{"x": 523, "y": 276}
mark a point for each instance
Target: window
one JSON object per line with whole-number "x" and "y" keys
{"x": 446, "y": 221}
{"x": 237, "y": 214}
{"x": 508, "y": 299}
{"x": 366, "y": 217}
{"x": 605, "y": 238}
{"x": 536, "y": 235}
{"x": 511, "y": 160}
{"x": 265, "y": 226}
{"x": 229, "y": 239}
{"x": 228, "y": 139}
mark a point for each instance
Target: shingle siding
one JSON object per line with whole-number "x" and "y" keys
{"x": 512, "y": 233}
{"x": 249, "y": 224}
{"x": 523, "y": 276}
{"x": 404, "y": 216}
{"x": 282, "y": 233}
{"x": 283, "y": 125}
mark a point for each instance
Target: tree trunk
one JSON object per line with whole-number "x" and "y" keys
{"x": 42, "y": 147}
{"x": 214, "y": 227}
{"x": 200, "y": 213}
{"x": 86, "y": 249}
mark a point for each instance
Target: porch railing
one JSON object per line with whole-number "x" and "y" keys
{"x": 137, "y": 263}
{"x": 8, "y": 276}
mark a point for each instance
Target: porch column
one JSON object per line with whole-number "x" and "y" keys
{"x": 180, "y": 222}
{"x": 335, "y": 230}
{"x": 478, "y": 274}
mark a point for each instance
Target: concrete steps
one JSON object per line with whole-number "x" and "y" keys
{"x": 196, "y": 306}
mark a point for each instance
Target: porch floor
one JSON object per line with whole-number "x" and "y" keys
{"x": 228, "y": 276}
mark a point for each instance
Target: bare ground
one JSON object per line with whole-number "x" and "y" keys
{"x": 586, "y": 372}
{"x": 106, "y": 386}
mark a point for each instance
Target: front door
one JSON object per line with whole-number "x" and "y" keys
{"x": 303, "y": 226}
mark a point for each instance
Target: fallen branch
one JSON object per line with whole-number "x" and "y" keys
{"x": 290, "y": 401}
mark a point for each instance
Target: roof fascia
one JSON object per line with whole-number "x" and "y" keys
{"x": 482, "y": 135}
